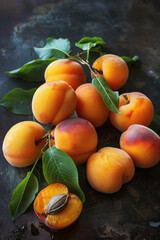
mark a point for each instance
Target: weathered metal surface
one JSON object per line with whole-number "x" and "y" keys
{"x": 129, "y": 28}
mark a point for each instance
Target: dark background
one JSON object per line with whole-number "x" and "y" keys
{"x": 129, "y": 27}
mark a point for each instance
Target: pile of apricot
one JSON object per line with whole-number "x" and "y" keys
{"x": 65, "y": 92}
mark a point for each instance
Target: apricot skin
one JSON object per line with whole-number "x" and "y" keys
{"x": 77, "y": 137}
{"x": 139, "y": 110}
{"x": 67, "y": 70}
{"x": 142, "y": 144}
{"x": 108, "y": 169}
{"x": 53, "y": 102}
{"x": 64, "y": 218}
{"x": 114, "y": 70}
{"x": 19, "y": 145}
{"x": 90, "y": 105}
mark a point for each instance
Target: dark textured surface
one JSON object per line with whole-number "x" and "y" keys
{"x": 129, "y": 28}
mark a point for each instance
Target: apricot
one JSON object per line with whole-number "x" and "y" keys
{"x": 90, "y": 105}
{"x": 142, "y": 144}
{"x": 77, "y": 137}
{"x": 113, "y": 69}
{"x": 21, "y": 145}
{"x": 62, "y": 218}
{"x": 134, "y": 108}
{"x": 53, "y": 102}
{"x": 108, "y": 169}
{"x": 67, "y": 70}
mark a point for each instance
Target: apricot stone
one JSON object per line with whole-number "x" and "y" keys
{"x": 53, "y": 102}
{"x": 67, "y": 70}
{"x": 20, "y": 146}
{"x": 113, "y": 69}
{"x": 108, "y": 169}
{"x": 134, "y": 108}
{"x": 77, "y": 137}
{"x": 63, "y": 218}
{"x": 90, "y": 105}
{"x": 142, "y": 144}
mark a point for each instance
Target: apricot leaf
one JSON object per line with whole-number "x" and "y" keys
{"x": 59, "y": 167}
{"x": 88, "y": 42}
{"x": 58, "y": 48}
{"x": 110, "y": 98}
{"x": 129, "y": 60}
{"x": 23, "y": 195}
{"x": 32, "y": 71}
{"x": 46, "y": 127}
{"x": 18, "y": 101}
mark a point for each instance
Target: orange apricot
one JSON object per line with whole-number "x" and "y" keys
{"x": 90, "y": 105}
{"x": 108, "y": 169}
{"x": 65, "y": 216}
{"x": 142, "y": 144}
{"x": 67, "y": 70}
{"x": 53, "y": 102}
{"x": 113, "y": 69}
{"x": 77, "y": 137}
{"x": 134, "y": 108}
{"x": 21, "y": 145}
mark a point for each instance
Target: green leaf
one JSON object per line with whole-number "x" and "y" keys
{"x": 110, "y": 98}
{"x": 129, "y": 60}
{"x": 58, "y": 48}
{"x": 46, "y": 127}
{"x": 88, "y": 42}
{"x": 59, "y": 167}
{"x": 23, "y": 195}
{"x": 95, "y": 52}
{"x": 18, "y": 101}
{"x": 32, "y": 71}
{"x": 155, "y": 124}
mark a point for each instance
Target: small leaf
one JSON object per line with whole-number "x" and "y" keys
{"x": 110, "y": 98}
{"x": 18, "y": 101}
{"x": 23, "y": 195}
{"x": 46, "y": 127}
{"x": 32, "y": 71}
{"x": 155, "y": 124}
{"x": 129, "y": 60}
{"x": 58, "y": 48}
{"x": 88, "y": 42}
{"x": 59, "y": 167}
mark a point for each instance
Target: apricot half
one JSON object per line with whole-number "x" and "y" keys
{"x": 108, "y": 169}
{"x": 77, "y": 137}
{"x": 21, "y": 146}
{"x": 62, "y": 218}
{"x": 90, "y": 105}
{"x": 67, "y": 70}
{"x": 53, "y": 102}
{"x": 142, "y": 144}
{"x": 113, "y": 69}
{"x": 134, "y": 108}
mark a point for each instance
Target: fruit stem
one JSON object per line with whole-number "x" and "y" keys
{"x": 126, "y": 98}
{"x": 41, "y": 139}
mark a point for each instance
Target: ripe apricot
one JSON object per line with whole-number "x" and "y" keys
{"x": 21, "y": 146}
{"x": 63, "y": 218}
{"x": 108, "y": 169}
{"x": 134, "y": 108}
{"x": 77, "y": 137}
{"x": 67, "y": 70}
{"x": 53, "y": 102}
{"x": 142, "y": 144}
{"x": 113, "y": 69}
{"x": 90, "y": 105}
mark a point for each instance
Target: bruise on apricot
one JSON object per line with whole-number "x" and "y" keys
{"x": 63, "y": 218}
